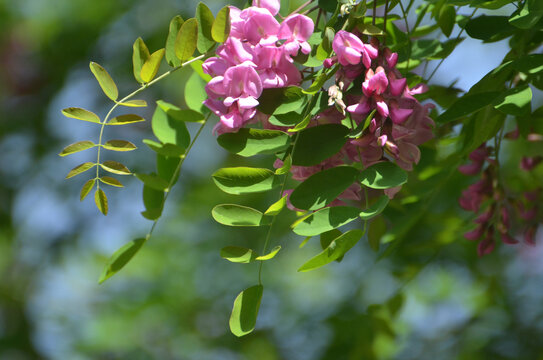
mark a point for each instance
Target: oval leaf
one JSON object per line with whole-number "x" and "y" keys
{"x": 111, "y": 181}
{"x": 150, "y": 68}
{"x": 195, "y": 93}
{"x": 221, "y": 26}
{"x": 322, "y": 188}
{"x": 175, "y": 26}
{"x": 81, "y": 114}
{"x": 237, "y": 215}
{"x": 446, "y": 20}
{"x": 186, "y": 40}
{"x": 244, "y": 180}
{"x": 153, "y": 201}
{"x": 467, "y": 104}
{"x": 205, "y": 22}
{"x": 270, "y": 255}
{"x": 125, "y": 119}
{"x": 80, "y": 168}
{"x": 169, "y": 130}
{"x": 153, "y": 181}
{"x": 238, "y": 254}
{"x": 325, "y": 220}
{"x": 86, "y": 189}
{"x": 119, "y": 145}
{"x": 168, "y": 150}
{"x": 77, "y": 147}
{"x": 100, "y": 199}
{"x": 318, "y": 143}
{"x": 516, "y": 101}
{"x": 375, "y": 209}
{"x": 383, "y": 175}
{"x": 134, "y": 103}
{"x": 140, "y": 55}
{"x": 335, "y": 250}
{"x": 177, "y": 113}
{"x": 120, "y": 258}
{"x": 115, "y": 167}
{"x": 245, "y": 311}
{"x": 277, "y": 207}
{"x": 248, "y": 142}
{"x": 106, "y": 82}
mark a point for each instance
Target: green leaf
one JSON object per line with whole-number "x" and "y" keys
{"x": 489, "y": 28}
{"x": 196, "y": 65}
{"x": 377, "y": 229}
{"x": 281, "y": 100}
{"x": 169, "y": 150}
{"x": 150, "y": 68}
{"x": 336, "y": 249}
{"x": 321, "y": 188}
{"x": 153, "y": 201}
{"x": 120, "y": 258}
{"x": 80, "y": 168}
{"x": 81, "y": 114}
{"x": 276, "y": 207}
{"x": 169, "y": 130}
{"x": 86, "y": 189}
{"x": 301, "y": 125}
{"x": 370, "y": 29}
{"x": 516, "y": 101}
{"x": 270, "y": 255}
{"x": 287, "y": 164}
{"x": 205, "y": 22}
{"x": 376, "y": 208}
{"x": 100, "y": 199}
{"x": 115, "y": 167}
{"x": 325, "y": 46}
{"x": 153, "y": 181}
{"x": 302, "y": 244}
{"x": 140, "y": 55}
{"x": 318, "y": 143}
{"x": 529, "y": 15}
{"x": 244, "y": 180}
{"x": 467, "y": 104}
{"x": 133, "y": 103}
{"x": 245, "y": 311}
{"x": 195, "y": 93}
{"x": 177, "y": 113}
{"x": 325, "y": 220}
{"x": 447, "y": 19}
{"x": 238, "y": 254}
{"x": 221, "y": 26}
{"x": 357, "y": 132}
{"x": 125, "y": 119}
{"x": 319, "y": 81}
{"x": 186, "y": 40}
{"x": 530, "y": 64}
{"x": 237, "y": 215}
{"x": 119, "y": 145}
{"x": 383, "y": 175}
{"x": 111, "y": 181}
{"x": 167, "y": 167}
{"x": 175, "y": 26}
{"x": 106, "y": 82}
{"x": 248, "y": 142}
{"x": 77, "y": 147}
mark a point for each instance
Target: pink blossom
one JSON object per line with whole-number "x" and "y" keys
{"x": 260, "y": 26}
{"x": 271, "y": 5}
{"x": 351, "y": 50}
{"x": 296, "y": 30}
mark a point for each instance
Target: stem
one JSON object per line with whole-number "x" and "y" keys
{"x": 385, "y": 23}
{"x": 404, "y": 13}
{"x": 129, "y": 96}
{"x": 311, "y": 10}
{"x": 374, "y": 12}
{"x": 300, "y": 8}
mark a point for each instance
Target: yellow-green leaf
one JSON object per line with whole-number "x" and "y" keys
{"x": 134, "y": 103}
{"x": 119, "y": 145}
{"x": 77, "y": 147}
{"x": 140, "y": 55}
{"x": 125, "y": 119}
{"x": 187, "y": 39}
{"x": 111, "y": 181}
{"x": 86, "y": 189}
{"x": 205, "y": 22}
{"x": 81, "y": 114}
{"x": 245, "y": 310}
{"x": 150, "y": 68}
{"x": 238, "y": 254}
{"x": 115, "y": 167}
{"x": 221, "y": 26}
{"x": 79, "y": 169}
{"x": 104, "y": 79}
{"x": 270, "y": 255}
{"x": 175, "y": 26}
{"x": 100, "y": 199}
{"x": 277, "y": 207}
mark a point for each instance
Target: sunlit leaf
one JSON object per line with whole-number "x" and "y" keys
{"x": 238, "y": 254}
{"x": 104, "y": 79}
{"x": 205, "y": 22}
{"x": 383, "y": 175}
{"x": 100, "y": 199}
{"x": 301, "y": 125}
{"x": 119, "y": 145}
{"x": 120, "y": 258}
{"x": 125, "y": 119}
{"x": 77, "y": 147}
{"x": 177, "y": 113}
{"x": 516, "y": 101}
{"x": 336, "y": 249}
{"x": 244, "y": 180}
{"x": 245, "y": 311}
{"x": 175, "y": 26}
{"x": 111, "y": 181}
{"x": 375, "y": 209}
{"x": 221, "y": 26}
{"x": 325, "y": 220}
{"x": 196, "y": 65}
{"x": 80, "y": 168}
{"x": 81, "y": 114}
{"x": 269, "y": 255}
{"x": 323, "y": 187}
{"x": 238, "y": 215}
{"x": 195, "y": 93}
{"x": 140, "y": 54}
{"x": 134, "y": 103}
{"x": 169, "y": 130}
{"x": 150, "y": 67}
{"x": 287, "y": 163}
{"x": 528, "y": 15}
{"x": 115, "y": 167}
{"x": 249, "y": 142}
{"x": 318, "y": 143}
{"x": 276, "y": 207}
{"x": 153, "y": 181}
{"x": 86, "y": 189}
{"x": 186, "y": 41}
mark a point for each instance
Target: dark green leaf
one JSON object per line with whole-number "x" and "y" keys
{"x": 81, "y": 114}
{"x": 321, "y": 188}
{"x": 119, "y": 145}
{"x": 447, "y": 19}
{"x": 321, "y": 78}
{"x": 175, "y": 26}
{"x": 168, "y": 167}
{"x": 153, "y": 201}
{"x": 375, "y": 209}
{"x": 238, "y": 254}
{"x": 186, "y": 40}
{"x": 140, "y": 55}
{"x": 115, "y": 167}
{"x": 125, "y": 119}
{"x": 153, "y": 181}
{"x": 301, "y": 125}
{"x": 205, "y": 22}
{"x": 245, "y": 311}
{"x": 383, "y": 175}
{"x": 151, "y": 65}
{"x": 80, "y": 168}
{"x": 489, "y": 28}
{"x": 86, "y": 189}
{"x": 221, "y": 25}
{"x": 177, "y": 113}
{"x": 467, "y": 104}
{"x": 104, "y": 79}
{"x": 100, "y": 199}
{"x": 111, "y": 181}
{"x": 529, "y": 15}
{"x": 530, "y": 64}
{"x": 377, "y": 229}
{"x": 169, "y": 150}
{"x": 120, "y": 258}
{"x": 244, "y": 180}
{"x": 169, "y": 130}
{"x": 248, "y": 142}
{"x": 77, "y": 147}
{"x": 516, "y": 101}
{"x": 281, "y": 100}
{"x": 325, "y": 220}
{"x": 318, "y": 143}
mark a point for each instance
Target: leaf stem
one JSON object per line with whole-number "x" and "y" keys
{"x": 408, "y": 37}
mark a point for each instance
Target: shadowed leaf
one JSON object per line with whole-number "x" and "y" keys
{"x": 245, "y": 311}
{"x": 86, "y": 189}
{"x": 120, "y": 258}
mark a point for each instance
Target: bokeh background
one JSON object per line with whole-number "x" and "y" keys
{"x": 432, "y": 298}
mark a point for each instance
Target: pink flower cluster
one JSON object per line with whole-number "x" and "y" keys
{"x": 257, "y": 55}
{"x": 503, "y": 215}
